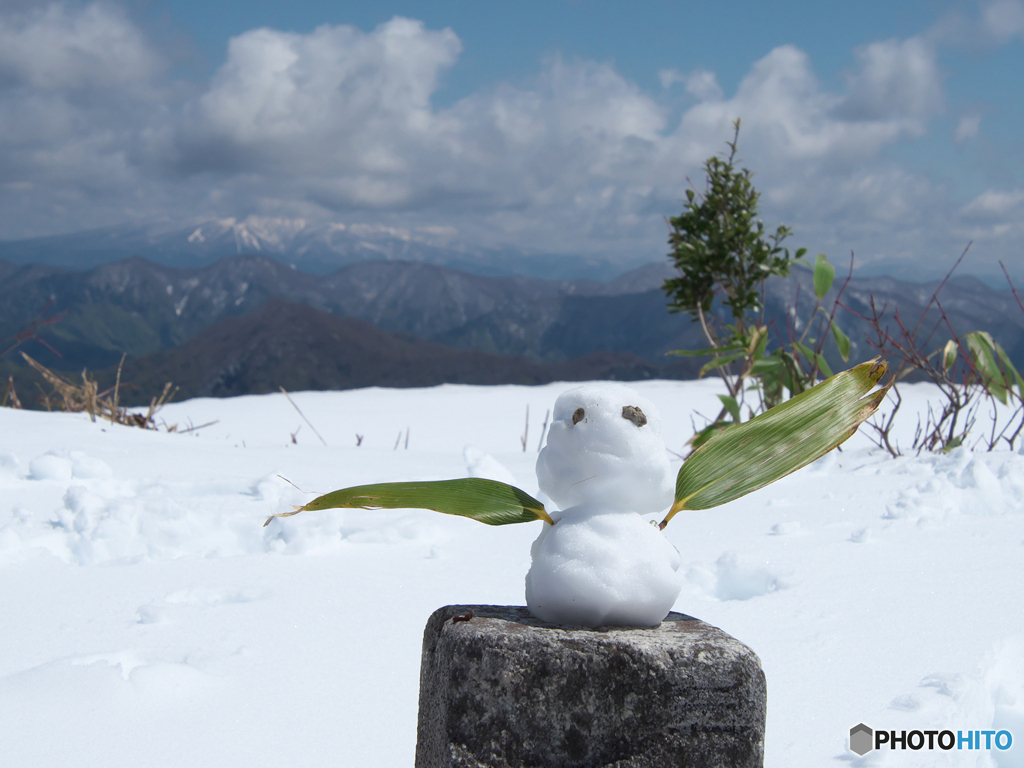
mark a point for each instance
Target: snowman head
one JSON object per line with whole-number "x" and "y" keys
{"x": 604, "y": 449}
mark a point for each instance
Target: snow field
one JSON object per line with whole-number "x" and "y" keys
{"x": 149, "y": 618}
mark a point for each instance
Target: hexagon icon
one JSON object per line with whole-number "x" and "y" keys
{"x": 861, "y": 739}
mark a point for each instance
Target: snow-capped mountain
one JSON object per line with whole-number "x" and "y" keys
{"x": 317, "y": 247}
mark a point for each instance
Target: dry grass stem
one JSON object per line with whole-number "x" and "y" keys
{"x": 86, "y": 397}
{"x": 10, "y": 396}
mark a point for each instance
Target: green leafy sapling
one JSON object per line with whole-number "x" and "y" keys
{"x": 723, "y": 253}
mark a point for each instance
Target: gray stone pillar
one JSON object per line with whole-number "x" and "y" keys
{"x": 505, "y": 689}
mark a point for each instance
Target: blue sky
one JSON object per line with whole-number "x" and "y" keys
{"x": 562, "y": 128}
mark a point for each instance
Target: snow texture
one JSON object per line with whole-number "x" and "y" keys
{"x": 142, "y": 598}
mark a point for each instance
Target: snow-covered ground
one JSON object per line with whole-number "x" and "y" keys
{"x": 148, "y": 619}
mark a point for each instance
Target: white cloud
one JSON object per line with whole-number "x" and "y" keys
{"x": 55, "y": 49}
{"x": 994, "y": 222}
{"x": 279, "y": 85}
{"x": 779, "y": 102}
{"x": 1003, "y": 20}
{"x": 337, "y": 97}
{"x": 704, "y": 85}
{"x": 361, "y": 133}
{"x": 895, "y": 79}
{"x": 78, "y": 88}
{"x": 671, "y": 76}
{"x": 339, "y": 124}
{"x": 790, "y": 119}
{"x": 701, "y": 83}
{"x": 967, "y": 128}
{"x": 995, "y": 204}
{"x": 996, "y": 24}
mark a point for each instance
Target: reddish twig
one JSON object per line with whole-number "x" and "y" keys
{"x": 29, "y": 332}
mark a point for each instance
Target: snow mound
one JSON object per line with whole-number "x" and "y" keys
{"x": 50, "y": 466}
{"x": 103, "y": 519}
{"x": 735, "y": 579}
{"x": 740, "y": 581}
{"x": 962, "y": 482}
{"x": 480, "y": 464}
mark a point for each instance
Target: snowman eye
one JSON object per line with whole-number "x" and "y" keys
{"x": 634, "y": 414}
{"x": 577, "y": 416}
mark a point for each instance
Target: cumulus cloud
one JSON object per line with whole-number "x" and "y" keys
{"x": 993, "y": 218}
{"x": 1003, "y": 20}
{"x": 795, "y": 126}
{"x": 704, "y": 85}
{"x": 54, "y": 49}
{"x": 579, "y": 160}
{"x": 78, "y": 89}
{"x": 895, "y": 79}
{"x": 339, "y": 124}
{"x": 343, "y": 118}
{"x": 670, "y": 77}
{"x": 701, "y": 83}
{"x": 337, "y": 96}
{"x": 967, "y": 128}
{"x": 995, "y": 24}
{"x": 995, "y": 204}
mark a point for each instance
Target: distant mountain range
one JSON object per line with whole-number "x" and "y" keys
{"x": 283, "y": 344}
{"x": 250, "y": 323}
{"x": 138, "y": 307}
{"x": 318, "y": 248}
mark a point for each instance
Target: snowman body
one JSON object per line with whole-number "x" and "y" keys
{"x": 605, "y": 465}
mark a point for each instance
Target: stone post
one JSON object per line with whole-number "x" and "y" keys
{"x": 503, "y": 689}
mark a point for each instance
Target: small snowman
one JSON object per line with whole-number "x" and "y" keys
{"x": 597, "y": 562}
{"x": 604, "y": 465}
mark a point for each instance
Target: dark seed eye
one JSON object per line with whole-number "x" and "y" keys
{"x": 634, "y": 414}
{"x": 577, "y": 416}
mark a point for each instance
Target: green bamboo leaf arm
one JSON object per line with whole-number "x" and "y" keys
{"x": 785, "y": 438}
{"x": 488, "y": 501}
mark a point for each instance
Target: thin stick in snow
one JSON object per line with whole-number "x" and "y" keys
{"x": 193, "y": 429}
{"x": 526, "y": 429}
{"x": 302, "y": 415}
{"x": 543, "y": 430}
